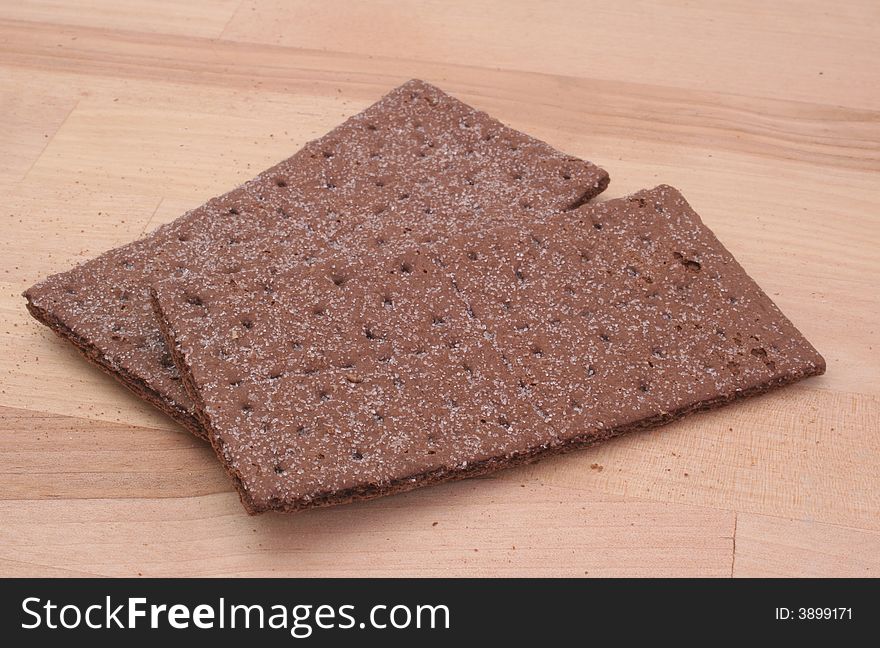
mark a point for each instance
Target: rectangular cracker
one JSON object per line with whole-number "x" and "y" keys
{"x": 417, "y": 165}
{"x": 353, "y": 379}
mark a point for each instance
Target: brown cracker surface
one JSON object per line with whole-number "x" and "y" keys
{"x": 354, "y": 378}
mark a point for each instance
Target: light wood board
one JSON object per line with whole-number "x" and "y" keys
{"x": 118, "y": 116}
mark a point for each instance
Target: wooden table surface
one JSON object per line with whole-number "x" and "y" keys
{"x": 118, "y": 116}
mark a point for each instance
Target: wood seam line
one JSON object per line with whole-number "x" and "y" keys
{"x": 49, "y": 141}
{"x": 733, "y": 557}
{"x": 152, "y": 216}
{"x": 231, "y": 18}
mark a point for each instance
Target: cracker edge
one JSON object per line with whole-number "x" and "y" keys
{"x": 94, "y": 356}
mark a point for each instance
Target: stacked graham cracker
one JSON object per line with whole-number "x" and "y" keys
{"x": 420, "y": 295}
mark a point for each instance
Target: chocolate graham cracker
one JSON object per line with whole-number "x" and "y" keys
{"x": 418, "y": 165}
{"x": 355, "y": 378}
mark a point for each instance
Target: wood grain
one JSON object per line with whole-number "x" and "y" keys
{"x": 728, "y": 46}
{"x": 118, "y": 117}
{"x": 773, "y": 547}
{"x": 133, "y": 501}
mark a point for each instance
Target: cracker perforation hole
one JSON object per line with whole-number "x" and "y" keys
{"x": 371, "y": 334}
{"x": 689, "y": 264}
